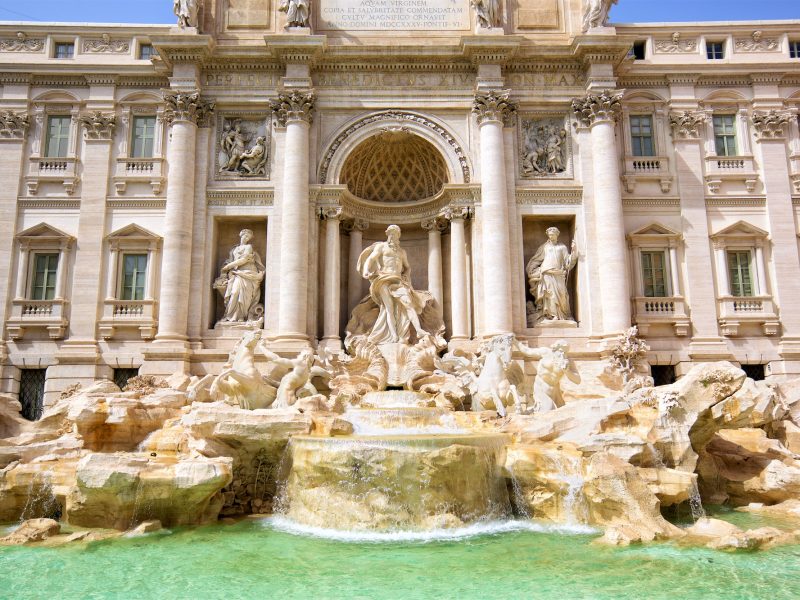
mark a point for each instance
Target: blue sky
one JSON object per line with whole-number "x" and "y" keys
{"x": 627, "y": 11}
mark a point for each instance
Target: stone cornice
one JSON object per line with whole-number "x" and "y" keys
{"x": 295, "y": 105}
{"x": 494, "y": 106}
{"x": 688, "y": 125}
{"x": 296, "y": 48}
{"x": 490, "y": 49}
{"x": 183, "y": 48}
{"x": 770, "y": 125}
{"x": 549, "y": 196}
{"x": 98, "y": 125}
{"x": 187, "y": 106}
{"x": 597, "y": 108}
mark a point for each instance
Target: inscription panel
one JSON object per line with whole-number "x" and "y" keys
{"x": 388, "y": 15}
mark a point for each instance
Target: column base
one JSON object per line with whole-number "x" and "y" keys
{"x": 170, "y": 338}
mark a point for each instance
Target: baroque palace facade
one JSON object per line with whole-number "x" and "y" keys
{"x": 133, "y": 157}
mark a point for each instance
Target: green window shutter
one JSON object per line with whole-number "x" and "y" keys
{"x": 133, "y": 276}
{"x": 654, "y": 274}
{"x": 144, "y": 135}
{"x": 739, "y": 267}
{"x": 45, "y": 269}
{"x": 57, "y": 140}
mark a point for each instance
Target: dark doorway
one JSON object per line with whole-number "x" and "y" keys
{"x": 121, "y": 376}
{"x": 755, "y": 372}
{"x": 663, "y": 374}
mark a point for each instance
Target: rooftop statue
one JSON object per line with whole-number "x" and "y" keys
{"x": 297, "y": 12}
{"x": 187, "y": 12}
{"x": 595, "y": 13}
{"x": 487, "y": 13}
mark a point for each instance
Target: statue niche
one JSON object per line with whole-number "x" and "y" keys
{"x": 239, "y": 284}
{"x": 548, "y": 272}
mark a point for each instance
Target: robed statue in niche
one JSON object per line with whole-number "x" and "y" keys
{"x": 548, "y": 272}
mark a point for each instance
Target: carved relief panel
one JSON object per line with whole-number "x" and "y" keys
{"x": 242, "y": 146}
{"x": 544, "y": 147}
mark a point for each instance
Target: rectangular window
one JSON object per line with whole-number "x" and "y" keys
{"x": 64, "y": 50}
{"x": 740, "y": 268}
{"x": 654, "y": 273}
{"x": 794, "y": 49}
{"x": 642, "y": 135}
{"x": 725, "y": 135}
{"x": 31, "y": 393}
{"x": 144, "y": 135}
{"x": 45, "y": 267}
{"x": 121, "y": 376}
{"x": 134, "y": 269}
{"x": 57, "y": 141}
{"x": 639, "y": 50}
{"x": 146, "y": 51}
{"x": 715, "y": 50}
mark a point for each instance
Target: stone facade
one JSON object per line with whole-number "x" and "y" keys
{"x": 677, "y": 176}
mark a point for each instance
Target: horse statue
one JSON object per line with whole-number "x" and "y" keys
{"x": 240, "y": 382}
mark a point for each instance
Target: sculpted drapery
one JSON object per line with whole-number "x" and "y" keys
{"x": 547, "y": 275}
{"x": 385, "y": 265}
{"x": 245, "y": 272}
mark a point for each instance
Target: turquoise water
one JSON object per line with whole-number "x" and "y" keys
{"x": 261, "y": 560}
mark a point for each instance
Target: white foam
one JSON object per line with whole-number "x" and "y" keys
{"x": 280, "y": 523}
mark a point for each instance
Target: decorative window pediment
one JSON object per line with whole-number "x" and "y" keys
{"x": 739, "y": 232}
{"x": 43, "y": 233}
{"x": 655, "y": 234}
{"x": 133, "y": 232}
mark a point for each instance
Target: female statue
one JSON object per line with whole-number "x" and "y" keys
{"x": 241, "y": 279}
{"x": 547, "y": 275}
{"x": 186, "y": 11}
{"x": 297, "y": 12}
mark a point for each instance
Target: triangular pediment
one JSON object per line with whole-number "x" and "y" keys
{"x": 741, "y": 229}
{"x": 43, "y": 231}
{"x": 133, "y": 232}
{"x": 655, "y": 229}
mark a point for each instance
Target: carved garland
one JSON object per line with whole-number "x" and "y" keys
{"x": 98, "y": 126}
{"x": 394, "y": 115}
{"x": 12, "y": 124}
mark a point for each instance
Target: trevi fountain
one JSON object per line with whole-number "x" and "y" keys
{"x": 496, "y": 428}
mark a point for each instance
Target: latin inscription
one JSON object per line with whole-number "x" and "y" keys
{"x": 417, "y": 15}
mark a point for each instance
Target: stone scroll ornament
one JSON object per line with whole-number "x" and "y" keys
{"x": 595, "y": 13}
{"x": 297, "y": 12}
{"x": 494, "y": 106}
{"x": 593, "y": 108}
{"x": 188, "y": 12}
{"x": 13, "y": 124}
{"x": 187, "y": 106}
{"x": 294, "y": 106}
{"x": 98, "y": 126}
{"x": 240, "y": 283}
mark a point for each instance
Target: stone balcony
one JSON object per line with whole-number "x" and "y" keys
{"x": 149, "y": 171}
{"x": 721, "y": 169}
{"x": 128, "y": 314}
{"x": 662, "y": 311}
{"x": 737, "y": 310}
{"x": 647, "y": 168}
{"x": 37, "y": 314}
{"x": 52, "y": 170}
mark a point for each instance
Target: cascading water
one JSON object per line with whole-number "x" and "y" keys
{"x": 385, "y": 478}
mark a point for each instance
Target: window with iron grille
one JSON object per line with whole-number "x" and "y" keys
{"x": 654, "y": 273}
{"x": 143, "y": 137}
{"x": 121, "y": 376}
{"x": 64, "y": 50}
{"x": 31, "y": 393}
{"x": 45, "y": 269}
{"x": 134, "y": 270}
{"x": 740, "y": 269}
{"x": 642, "y": 135}
{"x": 715, "y": 50}
{"x": 756, "y": 372}
{"x": 146, "y": 51}
{"x": 725, "y": 135}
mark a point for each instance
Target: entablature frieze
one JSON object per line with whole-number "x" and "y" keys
{"x": 549, "y": 196}
{"x": 241, "y": 197}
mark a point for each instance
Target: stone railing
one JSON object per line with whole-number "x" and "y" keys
{"x": 128, "y": 314}
{"x": 647, "y": 168}
{"x": 736, "y": 310}
{"x": 147, "y": 171}
{"x": 737, "y": 169}
{"x": 669, "y": 310}
{"x": 44, "y": 169}
{"x": 37, "y": 314}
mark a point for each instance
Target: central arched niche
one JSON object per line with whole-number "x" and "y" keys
{"x": 394, "y": 165}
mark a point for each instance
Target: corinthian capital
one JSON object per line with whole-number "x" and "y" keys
{"x": 770, "y": 124}
{"x": 597, "y": 108}
{"x": 494, "y": 106}
{"x": 688, "y": 125}
{"x": 13, "y": 124}
{"x": 187, "y": 106}
{"x": 294, "y": 106}
{"x": 98, "y": 125}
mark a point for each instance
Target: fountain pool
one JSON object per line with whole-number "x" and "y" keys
{"x": 270, "y": 559}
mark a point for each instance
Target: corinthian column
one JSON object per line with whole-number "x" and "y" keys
{"x": 332, "y": 298}
{"x": 185, "y": 111}
{"x": 434, "y": 227}
{"x": 459, "y": 294}
{"x": 494, "y": 110}
{"x": 293, "y": 110}
{"x": 600, "y": 113}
